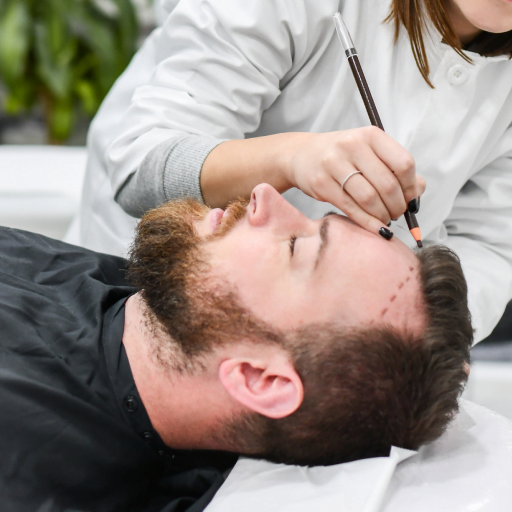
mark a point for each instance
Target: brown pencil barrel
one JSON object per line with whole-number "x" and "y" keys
{"x": 364, "y": 90}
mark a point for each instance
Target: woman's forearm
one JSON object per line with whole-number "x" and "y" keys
{"x": 235, "y": 167}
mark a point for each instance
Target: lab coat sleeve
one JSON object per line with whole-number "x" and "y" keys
{"x": 218, "y": 65}
{"x": 480, "y": 231}
{"x": 169, "y": 171}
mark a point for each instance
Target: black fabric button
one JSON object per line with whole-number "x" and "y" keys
{"x": 131, "y": 404}
{"x": 147, "y": 436}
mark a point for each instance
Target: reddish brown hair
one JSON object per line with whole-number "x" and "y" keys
{"x": 413, "y": 15}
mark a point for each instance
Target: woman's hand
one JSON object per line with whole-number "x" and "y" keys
{"x": 319, "y": 164}
{"x": 385, "y": 185}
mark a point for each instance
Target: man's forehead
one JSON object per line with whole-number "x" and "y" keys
{"x": 353, "y": 234}
{"x": 383, "y": 276}
{"x": 343, "y": 239}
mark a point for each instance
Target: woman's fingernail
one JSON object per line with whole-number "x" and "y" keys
{"x": 413, "y": 206}
{"x": 389, "y": 224}
{"x": 386, "y": 233}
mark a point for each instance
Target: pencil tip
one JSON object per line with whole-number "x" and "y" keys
{"x": 419, "y": 243}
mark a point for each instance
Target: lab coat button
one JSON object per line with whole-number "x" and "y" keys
{"x": 458, "y": 74}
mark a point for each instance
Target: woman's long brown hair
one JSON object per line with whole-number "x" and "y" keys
{"x": 413, "y": 15}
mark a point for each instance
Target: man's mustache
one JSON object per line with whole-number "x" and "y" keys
{"x": 234, "y": 212}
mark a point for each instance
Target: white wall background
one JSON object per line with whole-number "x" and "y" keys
{"x": 490, "y": 385}
{"x": 40, "y": 187}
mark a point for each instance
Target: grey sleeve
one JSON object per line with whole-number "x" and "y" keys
{"x": 171, "y": 170}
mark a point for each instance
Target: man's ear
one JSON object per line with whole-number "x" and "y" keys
{"x": 270, "y": 387}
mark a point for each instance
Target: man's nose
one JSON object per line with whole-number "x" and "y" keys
{"x": 267, "y": 206}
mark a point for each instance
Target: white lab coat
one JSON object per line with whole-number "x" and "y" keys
{"x": 231, "y": 69}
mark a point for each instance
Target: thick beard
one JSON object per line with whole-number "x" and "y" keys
{"x": 190, "y": 310}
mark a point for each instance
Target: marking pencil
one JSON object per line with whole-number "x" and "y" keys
{"x": 364, "y": 90}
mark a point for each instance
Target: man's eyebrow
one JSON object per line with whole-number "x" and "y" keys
{"x": 323, "y": 237}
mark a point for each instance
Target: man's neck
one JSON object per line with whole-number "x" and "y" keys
{"x": 183, "y": 407}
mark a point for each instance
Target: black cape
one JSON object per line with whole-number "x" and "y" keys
{"x": 74, "y": 434}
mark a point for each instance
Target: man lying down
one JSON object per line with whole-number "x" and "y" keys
{"x": 255, "y": 331}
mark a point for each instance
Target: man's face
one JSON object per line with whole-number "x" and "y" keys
{"x": 290, "y": 270}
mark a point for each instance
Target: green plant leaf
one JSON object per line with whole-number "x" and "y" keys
{"x": 87, "y": 94}
{"x": 98, "y": 35}
{"x": 54, "y": 54}
{"x": 84, "y": 65}
{"x": 20, "y": 99}
{"x": 128, "y": 29}
{"x": 14, "y": 41}
{"x": 64, "y": 54}
{"x": 61, "y": 121}
{"x": 13, "y": 105}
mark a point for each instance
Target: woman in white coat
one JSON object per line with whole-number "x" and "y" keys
{"x": 228, "y": 94}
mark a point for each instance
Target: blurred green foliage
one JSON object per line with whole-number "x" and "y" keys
{"x": 65, "y": 54}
